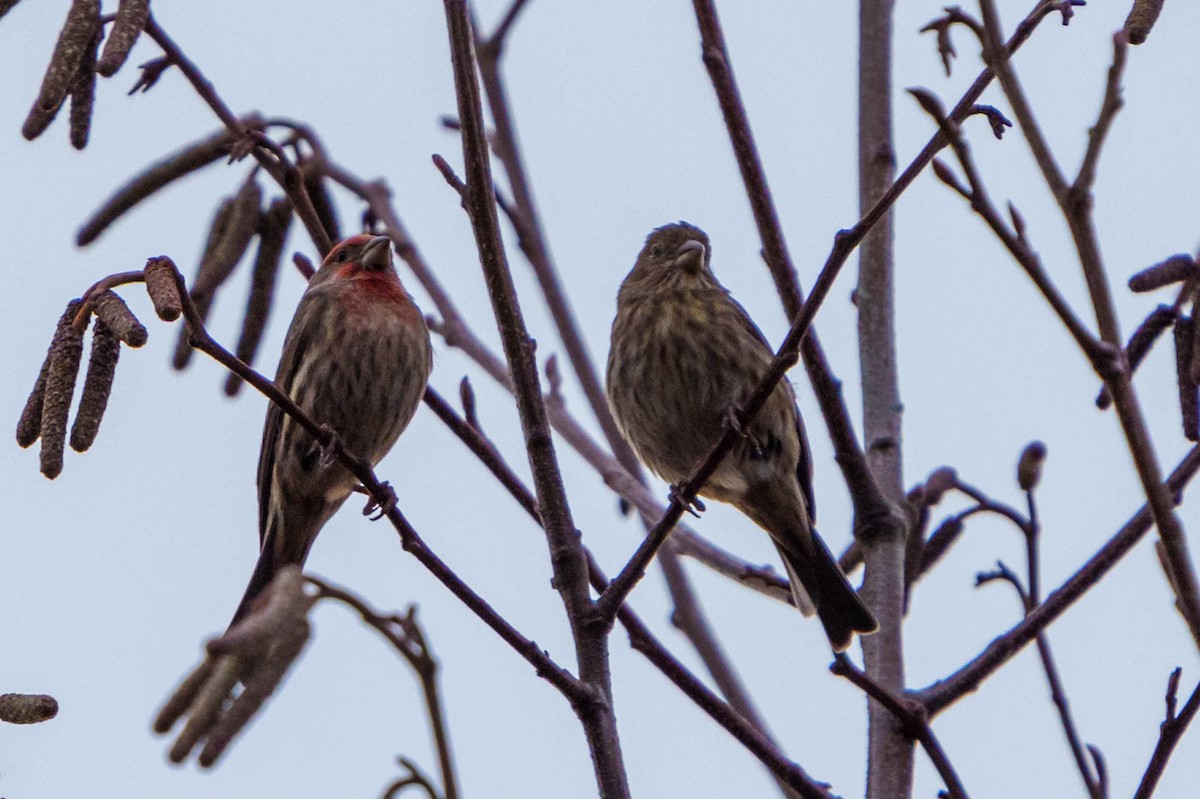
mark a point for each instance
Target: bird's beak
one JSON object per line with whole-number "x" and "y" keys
{"x": 378, "y": 253}
{"x": 690, "y": 256}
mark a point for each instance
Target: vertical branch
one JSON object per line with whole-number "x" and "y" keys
{"x": 567, "y": 557}
{"x": 1075, "y": 201}
{"x": 890, "y": 751}
{"x": 689, "y": 616}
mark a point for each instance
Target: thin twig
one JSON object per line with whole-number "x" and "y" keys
{"x": 407, "y": 638}
{"x": 1170, "y": 733}
{"x": 641, "y": 639}
{"x": 566, "y": 549}
{"x": 943, "y": 693}
{"x": 913, "y": 719}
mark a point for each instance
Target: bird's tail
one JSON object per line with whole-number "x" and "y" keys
{"x": 821, "y": 583}
{"x": 264, "y": 573}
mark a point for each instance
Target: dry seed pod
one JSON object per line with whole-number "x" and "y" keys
{"x": 60, "y": 386}
{"x": 1140, "y": 343}
{"x": 1194, "y": 370}
{"x": 240, "y": 227}
{"x": 314, "y": 184}
{"x": 271, "y": 236}
{"x": 83, "y": 94}
{"x": 132, "y": 16}
{"x": 97, "y": 385}
{"x": 29, "y": 428}
{"x": 73, "y": 42}
{"x": 259, "y": 685}
{"x": 1029, "y": 467}
{"x": 162, "y": 287}
{"x": 27, "y": 708}
{"x": 118, "y": 318}
{"x": 1175, "y": 269}
{"x": 1141, "y": 19}
{"x": 192, "y": 157}
{"x": 1189, "y": 402}
{"x": 203, "y": 300}
{"x": 941, "y": 481}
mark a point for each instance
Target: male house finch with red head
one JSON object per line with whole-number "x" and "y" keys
{"x": 356, "y": 359}
{"x": 683, "y": 354}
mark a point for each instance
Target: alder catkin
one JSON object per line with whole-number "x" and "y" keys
{"x": 162, "y": 287}
{"x": 201, "y": 299}
{"x": 1172, "y": 270}
{"x": 314, "y": 184}
{"x": 118, "y": 319}
{"x": 97, "y": 385}
{"x": 73, "y": 42}
{"x": 29, "y": 428}
{"x": 1141, "y": 19}
{"x": 271, "y": 235}
{"x": 6, "y": 6}
{"x": 1189, "y": 402}
{"x": 1140, "y": 343}
{"x": 193, "y": 156}
{"x": 27, "y": 708}
{"x": 83, "y": 95}
{"x": 132, "y": 16}
{"x": 67, "y": 351}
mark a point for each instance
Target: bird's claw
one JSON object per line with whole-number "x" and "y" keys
{"x": 331, "y": 444}
{"x": 694, "y": 506}
{"x": 735, "y": 420}
{"x": 380, "y": 509}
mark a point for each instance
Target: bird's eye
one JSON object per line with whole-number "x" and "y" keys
{"x": 657, "y": 250}
{"x": 342, "y": 256}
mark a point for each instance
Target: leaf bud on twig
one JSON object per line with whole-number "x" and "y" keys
{"x": 1029, "y": 467}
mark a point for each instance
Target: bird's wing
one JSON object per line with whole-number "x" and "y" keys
{"x": 293, "y": 352}
{"x": 804, "y": 467}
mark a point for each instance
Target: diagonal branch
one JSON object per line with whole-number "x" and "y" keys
{"x": 945, "y": 692}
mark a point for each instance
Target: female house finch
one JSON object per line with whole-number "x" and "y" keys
{"x": 683, "y": 353}
{"x": 356, "y": 359}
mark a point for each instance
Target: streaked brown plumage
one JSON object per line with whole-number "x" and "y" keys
{"x": 683, "y": 352}
{"x": 356, "y": 359}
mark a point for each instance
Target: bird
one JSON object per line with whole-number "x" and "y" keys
{"x": 356, "y": 359}
{"x": 684, "y": 356}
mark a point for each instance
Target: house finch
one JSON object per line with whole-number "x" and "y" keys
{"x": 356, "y": 359}
{"x": 684, "y": 353}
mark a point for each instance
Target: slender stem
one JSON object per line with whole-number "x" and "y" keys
{"x": 1170, "y": 733}
{"x": 689, "y": 616}
{"x": 911, "y": 718}
{"x": 1075, "y": 201}
{"x": 728, "y": 716}
{"x": 284, "y": 173}
{"x": 943, "y": 693}
{"x": 566, "y": 550}
{"x": 407, "y": 638}
{"x": 546, "y": 668}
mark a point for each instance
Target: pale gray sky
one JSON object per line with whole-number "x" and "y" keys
{"x": 114, "y": 573}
